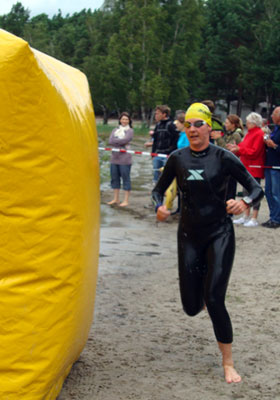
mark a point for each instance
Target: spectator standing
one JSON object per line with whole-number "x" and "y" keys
{"x": 233, "y": 135}
{"x": 272, "y": 176}
{"x": 252, "y": 153}
{"x": 233, "y": 132}
{"x": 183, "y": 140}
{"x": 121, "y": 162}
{"x": 217, "y": 125}
{"x": 165, "y": 138}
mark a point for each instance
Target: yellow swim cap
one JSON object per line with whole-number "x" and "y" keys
{"x": 201, "y": 111}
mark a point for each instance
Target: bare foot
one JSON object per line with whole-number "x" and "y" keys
{"x": 112, "y": 202}
{"x": 231, "y": 376}
{"x": 124, "y": 204}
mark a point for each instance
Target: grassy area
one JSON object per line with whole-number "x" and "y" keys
{"x": 105, "y": 130}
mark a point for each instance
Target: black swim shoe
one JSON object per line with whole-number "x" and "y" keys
{"x": 271, "y": 224}
{"x": 266, "y": 222}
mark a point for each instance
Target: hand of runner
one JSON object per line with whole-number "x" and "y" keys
{"x": 162, "y": 213}
{"x": 236, "y": 207}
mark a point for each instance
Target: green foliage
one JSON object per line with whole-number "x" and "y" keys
{"x": 37, "y": 33}
{"x": 15, "y": 20}
{"x": 241, "y": 40}
{"x": 139, "y": 53}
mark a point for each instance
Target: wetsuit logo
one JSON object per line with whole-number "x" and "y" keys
{"x": 195, "y": 175}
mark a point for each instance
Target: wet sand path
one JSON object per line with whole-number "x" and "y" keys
{"x": 143, "y": 347}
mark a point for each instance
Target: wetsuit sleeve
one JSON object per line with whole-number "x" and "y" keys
{"x": 239, "y": 172}
{"x": 164, "y": 182}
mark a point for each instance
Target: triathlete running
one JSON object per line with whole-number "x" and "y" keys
{"x": 206, "y": 242}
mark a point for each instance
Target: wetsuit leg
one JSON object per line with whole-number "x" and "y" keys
{"x": 220, "y": 255}
{"x": 191, "y": 267}
{"x": 205, "y": 264}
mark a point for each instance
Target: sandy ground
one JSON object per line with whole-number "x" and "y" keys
{"x": 143, "y": 347}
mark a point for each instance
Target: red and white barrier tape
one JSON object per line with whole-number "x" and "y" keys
{"x": 143, "y": 153}
{"x": 146, "y": 153}
{"x": 264, "y": 166}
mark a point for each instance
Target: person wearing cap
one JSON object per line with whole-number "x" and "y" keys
{"x": 206, "y": 242}
{"x": 217, "y": 125}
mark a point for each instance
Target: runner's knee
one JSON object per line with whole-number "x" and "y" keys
{"x": 191, "y": 309}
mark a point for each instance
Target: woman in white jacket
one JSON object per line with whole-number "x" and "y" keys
{"x": 121, "y": 162}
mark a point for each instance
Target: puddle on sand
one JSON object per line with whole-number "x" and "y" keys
{"x": 114, "y": 240}
{"x": 111, "y": 218}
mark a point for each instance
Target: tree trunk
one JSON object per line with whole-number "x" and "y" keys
{"x": 151, "y": 118}
{"x": 145, "y": 65}
{"x": 255, "y": 100}
{"x": 239, "y": 101}
{"x": 228, "y": 103}
{"x": 105, "y": 115}
{"x": 143, "y": 114}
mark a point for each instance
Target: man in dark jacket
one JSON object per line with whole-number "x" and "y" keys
{"x": 272, "y": 175}
{"x": 165, "y": 138}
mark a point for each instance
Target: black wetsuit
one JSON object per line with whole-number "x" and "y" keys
{"x": 206, "y": 242}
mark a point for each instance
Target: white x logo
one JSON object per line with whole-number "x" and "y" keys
{"x": 195, "y": 175}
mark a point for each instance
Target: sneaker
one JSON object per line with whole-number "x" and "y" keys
{"x": 252, "y": 222}
{"x": 240, "y": 221}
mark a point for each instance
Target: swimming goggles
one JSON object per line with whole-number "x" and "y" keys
{"x": 196, "y": 124}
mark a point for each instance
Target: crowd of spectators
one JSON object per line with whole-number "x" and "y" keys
{"x": 257, "y": 146}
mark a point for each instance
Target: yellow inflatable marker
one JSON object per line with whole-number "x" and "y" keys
{"x": 171, "y": 194}
{"x": 49, "y": 220}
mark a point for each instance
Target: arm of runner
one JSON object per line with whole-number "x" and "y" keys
{"x": 164, "y": 181}
{"x": 239, "y": 172}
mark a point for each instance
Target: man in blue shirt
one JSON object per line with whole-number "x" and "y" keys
{"x": 272, "y": 175}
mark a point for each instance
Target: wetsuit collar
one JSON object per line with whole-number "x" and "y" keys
{"x": 202, "y": 153}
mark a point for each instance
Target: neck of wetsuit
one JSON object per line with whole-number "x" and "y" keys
{"x": 201, "y": 153}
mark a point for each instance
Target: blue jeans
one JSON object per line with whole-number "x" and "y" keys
{"x": 158, "y": 162}
{"x": 120, "y": 171}
{"x": 272, "y": 193}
